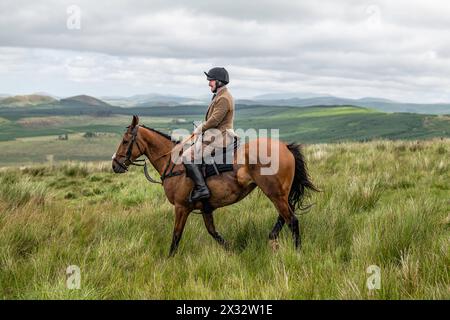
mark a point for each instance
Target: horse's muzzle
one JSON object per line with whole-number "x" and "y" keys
{"x": 117, "y": 166}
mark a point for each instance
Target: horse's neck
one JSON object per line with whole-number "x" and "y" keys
{"x": 157, "y": 146}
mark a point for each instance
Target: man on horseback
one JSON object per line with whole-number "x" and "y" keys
{"x": 285, "y": 187}
{"x": 215, "y": 133}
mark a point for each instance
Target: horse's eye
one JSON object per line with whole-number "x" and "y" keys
{"x": 125, "y": 142}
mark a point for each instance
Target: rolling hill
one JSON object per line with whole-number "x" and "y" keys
{"x": 85, "y": 100}
{"x": 306, "y": 125}
{"x": 26, "y": 100}
{"x": 375, "y": 103}
{"x": 153, "y": 100}
{"x": 272, "y": 100}
{"x": 40, "y": 116}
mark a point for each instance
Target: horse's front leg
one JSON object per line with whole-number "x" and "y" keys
{"x": 209, "y": 223}
{"x": 181, "y": 215}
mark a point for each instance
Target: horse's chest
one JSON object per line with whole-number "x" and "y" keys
{"x": 177, "y": 189}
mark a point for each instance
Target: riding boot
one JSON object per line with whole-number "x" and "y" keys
{"x": 200, "y": 190}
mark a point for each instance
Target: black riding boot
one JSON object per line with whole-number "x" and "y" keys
{"x": 200, "y": 190}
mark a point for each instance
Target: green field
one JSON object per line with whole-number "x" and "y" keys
{"x": 304, "y": 125}
{"x": 383, "y": 203}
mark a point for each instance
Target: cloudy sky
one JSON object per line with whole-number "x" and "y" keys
{"x": 352, "y": 48}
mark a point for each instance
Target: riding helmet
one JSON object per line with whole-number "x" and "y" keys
{"x": 219, "y": 74}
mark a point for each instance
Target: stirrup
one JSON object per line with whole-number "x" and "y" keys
{"x": 200, "y": 199}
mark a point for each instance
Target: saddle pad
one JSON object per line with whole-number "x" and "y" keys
{"x": 224, "y": 166}
{"x": 209, "y": 169}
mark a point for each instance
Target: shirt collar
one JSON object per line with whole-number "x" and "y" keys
{"x": 219, "y": 91}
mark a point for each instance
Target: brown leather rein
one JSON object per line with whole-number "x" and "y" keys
{"x": 167, "y": 173}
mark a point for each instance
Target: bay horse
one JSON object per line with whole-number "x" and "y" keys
{"x": 285, "y": 188}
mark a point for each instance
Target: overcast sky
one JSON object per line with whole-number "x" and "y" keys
{"x": 392, "y": 49}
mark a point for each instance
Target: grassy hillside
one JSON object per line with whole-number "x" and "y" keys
{"x": 344, "y": 123}
{"x": 30, "y": 134}
{"x": 309, "y": 124}
{"x": 84, "y": 99}
{"x": 26, "y": 100}
{"x": 379, "y": 104}
{"x": 383, "y": 203}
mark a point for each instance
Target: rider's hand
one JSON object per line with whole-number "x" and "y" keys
{"x": 198, "y": 130}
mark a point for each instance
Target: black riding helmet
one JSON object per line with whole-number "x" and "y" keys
{"x": 218, "y": 74}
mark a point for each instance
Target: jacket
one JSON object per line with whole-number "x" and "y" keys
{"x": 220, "y": 116}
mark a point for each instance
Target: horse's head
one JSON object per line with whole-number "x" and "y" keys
{"x": 129, "y": 148}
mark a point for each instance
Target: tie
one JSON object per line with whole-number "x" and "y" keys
{"x": 214, "y": 95}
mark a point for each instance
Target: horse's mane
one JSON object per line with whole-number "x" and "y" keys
{"x": 165, "y": 135}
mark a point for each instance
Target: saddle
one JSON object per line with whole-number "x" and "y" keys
{"x": 211, "y": 168}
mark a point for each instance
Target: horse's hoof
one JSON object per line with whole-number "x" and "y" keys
{"x": 226, "y": 246}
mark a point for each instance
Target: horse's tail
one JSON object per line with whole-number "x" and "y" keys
{"x": 301, "y": 180}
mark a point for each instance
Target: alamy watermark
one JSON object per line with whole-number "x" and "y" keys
{"x": 373, "y": 20}
{"x": 73, "y": 21}
{"x": 374, "y": 280}
{"x": 73, "y": 281}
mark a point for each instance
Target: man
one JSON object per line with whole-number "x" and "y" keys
{"x": 215, "y": 132}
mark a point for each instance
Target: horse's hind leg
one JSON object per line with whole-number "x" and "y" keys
{"x": 277, "y": 228}
{"x": 209, "y": 223}
{"x": 294, "y": 226}
{"x": 285, "y": 212}
{"x": 278, "y": 192}
{"x": 273, "y": 236}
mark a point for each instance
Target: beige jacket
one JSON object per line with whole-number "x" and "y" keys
{"x": 220, "y": 115}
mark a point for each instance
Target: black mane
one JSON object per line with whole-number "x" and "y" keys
{"x": 165, "y": 135}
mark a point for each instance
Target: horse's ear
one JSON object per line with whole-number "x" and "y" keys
{"x": 135, "y": 121}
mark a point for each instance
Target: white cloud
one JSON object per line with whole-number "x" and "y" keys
{"x": 350, "y": 48}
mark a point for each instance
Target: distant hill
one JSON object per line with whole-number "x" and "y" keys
{"x": 374, "y": 103}
{"x": 145, "y": 101}
{"x": 26, "y": 100}
{"x": 42, "y": 93}
{"x": 47, "y": 107}
{"x": 376, "y": 100}
{"x": 340, "y": 123}
{"x": 81, "y": 104}
{"x": 86, "y": 100}
{"x": 299, "y": 99}
{"x": 153, "y": 100}
{"x": 302, "y": 124}
{"x": 436, "y": 108}
{"x": 299, "y": 95}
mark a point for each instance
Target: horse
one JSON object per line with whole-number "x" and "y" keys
{"x": 285, "y": 188}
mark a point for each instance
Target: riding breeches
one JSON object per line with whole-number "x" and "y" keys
{"x": 197, "y": 152}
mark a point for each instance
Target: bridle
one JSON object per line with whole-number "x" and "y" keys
{"x": 129, "y": 152}
{"x": 138, "y": 162}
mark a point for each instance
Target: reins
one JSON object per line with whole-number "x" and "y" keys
{"x": 167, "y": 173}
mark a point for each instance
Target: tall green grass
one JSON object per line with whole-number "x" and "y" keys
{"x": 383, "y": 203}
{"x": 16, "y": 191}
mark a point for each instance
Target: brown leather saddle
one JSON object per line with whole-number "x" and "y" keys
{"x": 210, "y": 167}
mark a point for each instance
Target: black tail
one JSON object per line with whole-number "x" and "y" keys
{"x": 301, "y": 179}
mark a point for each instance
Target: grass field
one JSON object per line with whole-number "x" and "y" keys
{"x": 383, "y": 203}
